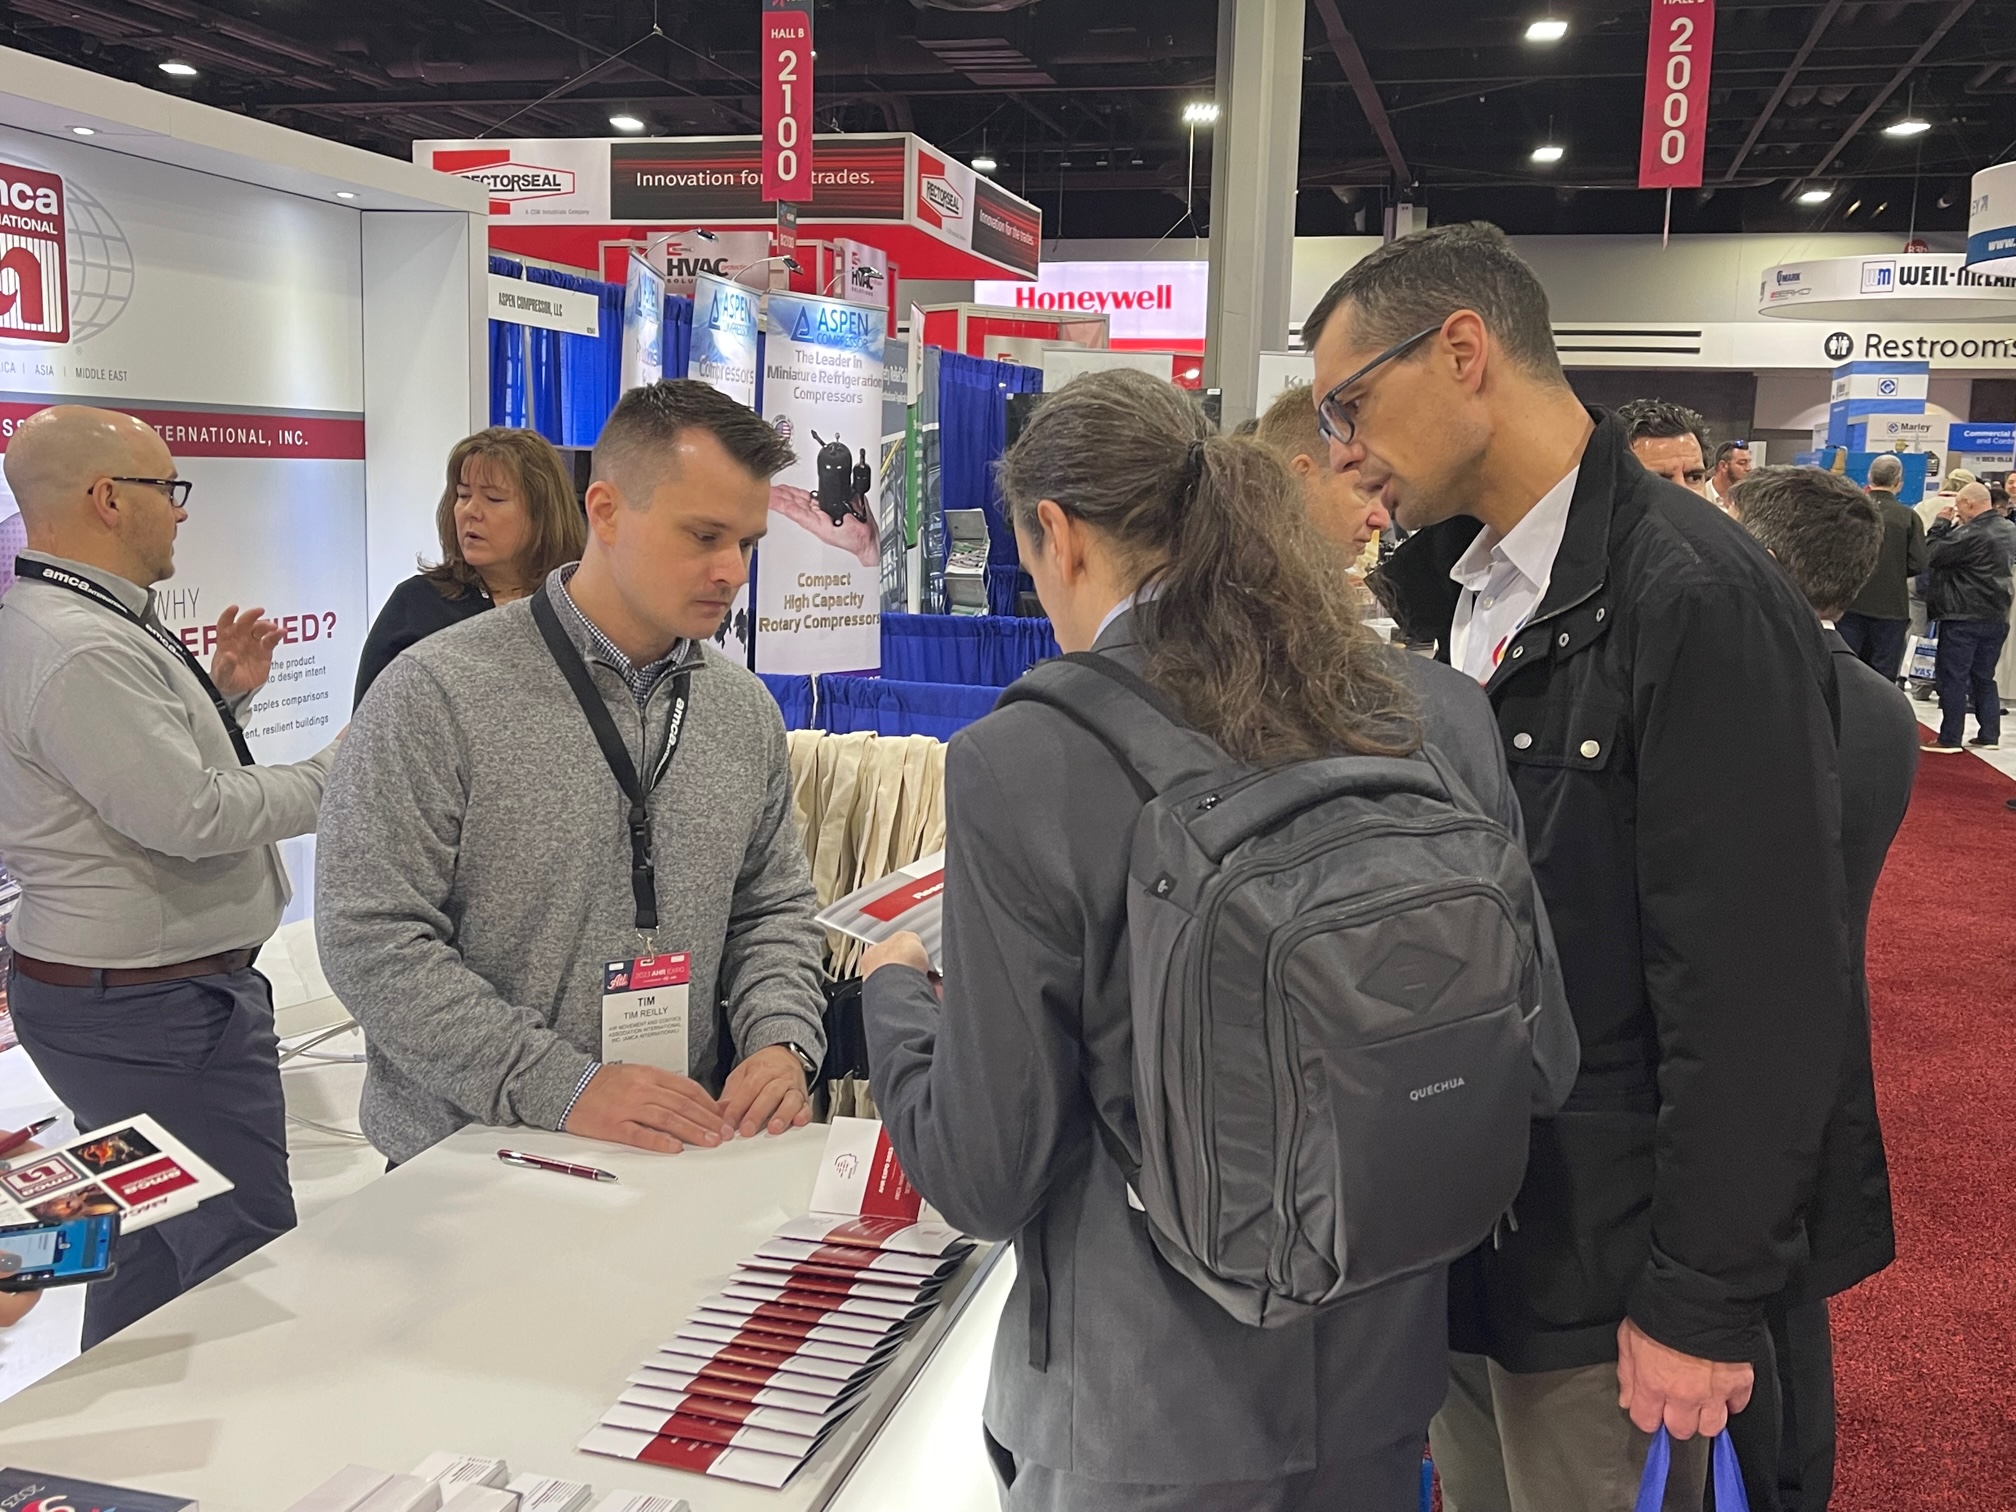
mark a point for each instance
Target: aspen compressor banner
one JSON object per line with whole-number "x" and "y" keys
{"x": 819, "y": 577}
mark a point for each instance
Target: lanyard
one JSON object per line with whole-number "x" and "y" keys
{"x": 643, "y": 877}
{"x": 56, "y": 577}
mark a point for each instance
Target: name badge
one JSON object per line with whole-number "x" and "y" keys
{"x": 644, "y": 1012}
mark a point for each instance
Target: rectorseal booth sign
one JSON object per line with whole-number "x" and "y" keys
{"x": 819, "y": 573}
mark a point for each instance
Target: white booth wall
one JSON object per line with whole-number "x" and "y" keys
{"x": 309, "y": 360}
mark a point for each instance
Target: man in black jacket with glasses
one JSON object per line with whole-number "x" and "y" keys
{"x": 1667, "y": 708}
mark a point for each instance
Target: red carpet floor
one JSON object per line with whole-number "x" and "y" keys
{"x": 1926, "y": 1352}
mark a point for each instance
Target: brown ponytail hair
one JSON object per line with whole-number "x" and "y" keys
{"x": 1253, "y": 632}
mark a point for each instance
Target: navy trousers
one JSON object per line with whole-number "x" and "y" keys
{"x": 1878, "y": 643}
{"x": 1968, "y": 651}
{"x": 201, "y": 1057}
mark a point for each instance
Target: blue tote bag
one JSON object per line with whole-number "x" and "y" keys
{"x": 1723, "y": 1475}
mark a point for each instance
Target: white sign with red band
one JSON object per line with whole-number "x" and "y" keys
{"x": 1678, "y": 52}
{"x": 1159, "y": 303}
{"x": 860, "y": 1176}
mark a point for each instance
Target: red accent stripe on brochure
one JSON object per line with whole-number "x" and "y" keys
{"x": 903, "y": 899}
{"x": 721, "y": 1409}
{"x": 842, "y": 1256}
{"x": 682, "y": 1454}
{"x": 226, "y": 433}
{"x": 867, "y": 1232}
{"x": 681, "y": 1425}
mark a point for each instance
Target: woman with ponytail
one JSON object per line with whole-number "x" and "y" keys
{"x": 1117, "y": 1384}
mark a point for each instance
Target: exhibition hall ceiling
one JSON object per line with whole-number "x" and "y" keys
{"x": 1080, "y": 103}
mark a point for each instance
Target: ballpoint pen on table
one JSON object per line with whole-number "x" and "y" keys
{"x": 558, "y": 1167}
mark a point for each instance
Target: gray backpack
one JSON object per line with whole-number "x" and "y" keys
{"x": 1332, "y": 974}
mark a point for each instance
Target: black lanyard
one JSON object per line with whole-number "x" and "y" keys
{"x": 643, "y": 877}
{"x": 56, "y": 577}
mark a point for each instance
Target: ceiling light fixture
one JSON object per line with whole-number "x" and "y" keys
{"x": 1547, "y": 29}
{"x": 346, "y": 194}
{"x": 1910, "y": 126}
{"x": 626, "y": 123}
{"x": 1548, "y": 153}
{"x": 1200, "y": 113}
{"x": 83, "y": 131}
{"x": 179, "y": 70}
{"x": 1815, "y": 196}
{"x": 985, "y": 164}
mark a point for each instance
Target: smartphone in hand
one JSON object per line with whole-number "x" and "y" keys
{"x": 58, "y": 1254}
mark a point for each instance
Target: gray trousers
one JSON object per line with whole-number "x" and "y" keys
{"x": 201, "y": 1057}
{"x": 1383, "y": 1480}
{"x": 1554, "y": 1441}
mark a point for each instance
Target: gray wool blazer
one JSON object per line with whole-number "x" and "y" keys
{"x": 1147, "y": 1379}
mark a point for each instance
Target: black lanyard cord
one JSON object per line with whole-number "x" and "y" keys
{"x": 83, "y": 587}
{"x": 643, "y": 875}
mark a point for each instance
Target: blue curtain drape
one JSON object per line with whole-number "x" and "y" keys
{"x": 508, "y": 397}
{"x": 587, "y": 370}
{"x": 900, "y": 708}
{"x": 986, "y": 649}
{"x": 972, "y": 433}
{"x": 794, "y": 698}
{"x": 678, "y": 335}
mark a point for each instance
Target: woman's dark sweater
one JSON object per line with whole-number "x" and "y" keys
{"x": 415, "y": 611}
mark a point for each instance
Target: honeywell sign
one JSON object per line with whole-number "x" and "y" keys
{"x": 1153, "y": 304}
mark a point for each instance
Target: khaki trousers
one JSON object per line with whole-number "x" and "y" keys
{"x": 1553, "y": 1441}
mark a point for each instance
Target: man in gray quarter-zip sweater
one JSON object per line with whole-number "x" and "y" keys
{"x": 475, "y": 866}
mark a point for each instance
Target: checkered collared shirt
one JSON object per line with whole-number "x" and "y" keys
{"x": 642, "y": 680}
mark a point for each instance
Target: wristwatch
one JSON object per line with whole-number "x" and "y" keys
{"x": 805, "y": 1062}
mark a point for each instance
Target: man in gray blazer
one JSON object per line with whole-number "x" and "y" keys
{"x": 1117, "y": 1384}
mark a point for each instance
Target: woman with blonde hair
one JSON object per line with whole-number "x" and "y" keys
{"x": 507, "y": 518}
{"x": 1186, "y": 560}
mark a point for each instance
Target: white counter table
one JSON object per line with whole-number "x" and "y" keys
{"x": 465, "y": 1305}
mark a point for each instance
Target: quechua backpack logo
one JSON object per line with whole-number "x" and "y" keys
{"x": 1332, "y": 975}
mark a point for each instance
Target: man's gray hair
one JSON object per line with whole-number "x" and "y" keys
{"x": 1825, "y": 532}
{"x": 1886, "y": 472}
{"x": 1419, "y": 281}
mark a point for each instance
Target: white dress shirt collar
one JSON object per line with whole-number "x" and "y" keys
{"x": 1504, "y": 579}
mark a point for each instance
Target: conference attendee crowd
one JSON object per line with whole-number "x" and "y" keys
{"x": 1500, "y": 1118}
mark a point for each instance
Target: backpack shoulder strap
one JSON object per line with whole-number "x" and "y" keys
{"x": 1131, "y": 718}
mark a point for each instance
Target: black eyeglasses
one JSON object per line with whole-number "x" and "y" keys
{"x": 1338, "y": 420}
{"x": 177, "y": 489}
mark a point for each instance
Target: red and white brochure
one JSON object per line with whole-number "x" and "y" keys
{"x": 783, "y": 1419}
{"x": 877, "y": 1233}
{"x": 800, "y": 1322}
{"x": 134, "y": 1168}
{"x": 669, "y": 1377}
{"x": 890, "y": 1265}
{"x": 724, "y": 1461}
{"x": 850, "y": 1352}
{"x": 911, "y": 898}
{"x": 757, "y": 1288}
{"x": 705, "y": 1352}
{"x": 860, "y": 1176}
{"x": 762, "y": 1321}
{"x": 839, "y": 1283}
{"x": 709, "y": 1430}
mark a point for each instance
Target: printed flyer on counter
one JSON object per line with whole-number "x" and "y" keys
{"x": 819, "y": 582}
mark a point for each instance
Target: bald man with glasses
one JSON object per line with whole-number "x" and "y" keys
{"x": 144, "y": 839}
